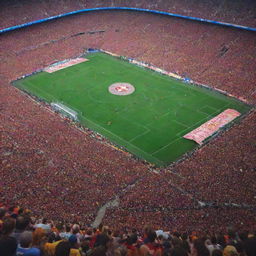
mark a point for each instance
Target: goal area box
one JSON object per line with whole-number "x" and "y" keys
{"x": 64, "y": 110}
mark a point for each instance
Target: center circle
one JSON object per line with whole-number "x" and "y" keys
{"x": 121, "y": 89}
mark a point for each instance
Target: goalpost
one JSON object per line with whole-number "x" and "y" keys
{"x": 64, "y": 110}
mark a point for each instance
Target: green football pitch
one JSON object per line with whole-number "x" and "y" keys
{"x": 149, "y": 123}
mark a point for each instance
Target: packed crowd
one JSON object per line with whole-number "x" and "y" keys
{"x": 21, "y": 234}
{"x": 61, "y": 172}
{"x": 201, "y": 65}
{"x": 238, "y": 12}
{"x": 169, "y": 198}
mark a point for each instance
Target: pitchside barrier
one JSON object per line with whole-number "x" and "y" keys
{"x": 127, "y": 9}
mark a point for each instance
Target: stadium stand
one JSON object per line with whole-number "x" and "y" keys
{"x": 237, "y": 12}
{"x": 21, "y": 233}
{"x": 61, "y": 172}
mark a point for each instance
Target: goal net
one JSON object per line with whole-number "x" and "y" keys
{"x": 64, "y": 110}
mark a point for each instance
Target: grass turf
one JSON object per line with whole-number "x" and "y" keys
{"x": 150, "y": 122}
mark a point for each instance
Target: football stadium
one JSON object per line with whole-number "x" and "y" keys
{"x": 128, "y": 127}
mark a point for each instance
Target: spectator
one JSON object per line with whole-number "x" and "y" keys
{"x": 121, "y": 251}
{"x": 39, "y": 238}
{"x": 176, "y": 242}
{"x": 178, "y": 251}
{"x": 66, "y": 233}
{"x": 230, "y": 250}
{"x": 74, "y": 246}
{"x": 49, "y": 247}
{"x": 177, "y": 246}
{"x": 76, "y": 231}
{"x": 150, "y": 247}
{"x": 250, "y": 245}
{"x": 221, "y": 241}
{"x": 103, "y": 243}
{"x": 25, "y": 246}
{"x": 2, "y": 214}
{"x": 43, "y": 224}
{"x": 167, "y": 246}
{"x": 217, "y": 252}
{"x": 232, "y": 237}
{"x": 209, "y": 245}
{"x": 8, "y": 244}
{"x": 22, "y": 222}
{"x": 215, "y": 245}
{"x": 184, "y": 243}
{"x": 131, "y": 245}
{"x": 200, "y": 249}
{"x": 63, "y": 249}
{"x": 98, "y": 251}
